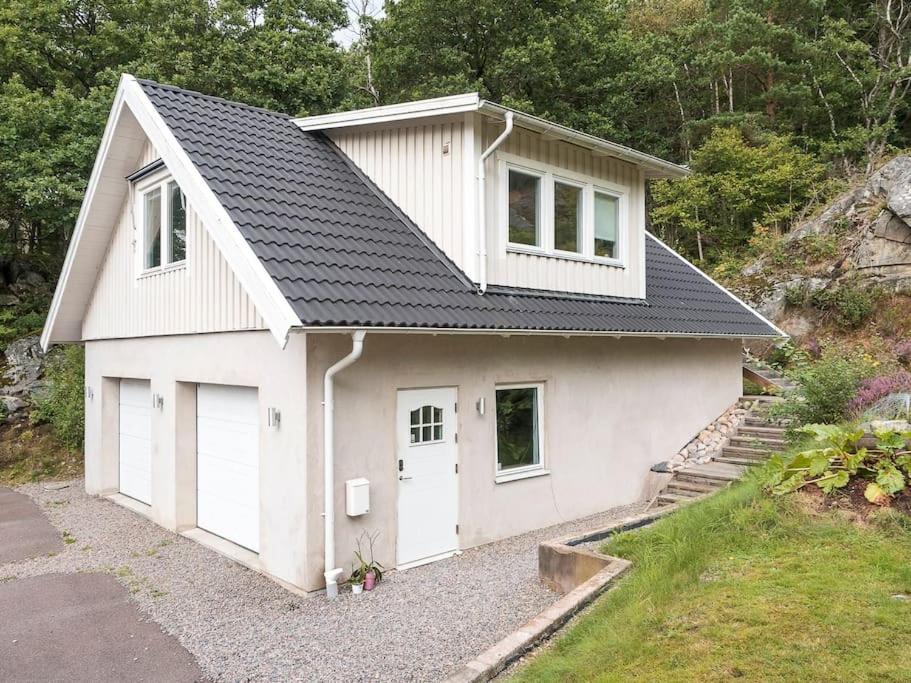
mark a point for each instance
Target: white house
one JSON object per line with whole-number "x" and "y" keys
{"x": 453, "y": 301}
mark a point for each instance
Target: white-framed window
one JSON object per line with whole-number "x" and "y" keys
{"x": 559, "y": 213}
{"x": 519, "y": 410}
{"x": 426, "y": 424}
{"x": 161, "y": 220}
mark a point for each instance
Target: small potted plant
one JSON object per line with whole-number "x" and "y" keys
{"x": 370, "y": 570}
{"x": 356, "y": 580}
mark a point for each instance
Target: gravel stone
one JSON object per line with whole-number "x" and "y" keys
{"x": 418, "y": 625}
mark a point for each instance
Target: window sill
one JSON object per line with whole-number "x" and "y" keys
{"x": 565, "y": 256}
{"x": 150, "y": 272}
{"x": 507, "y": 477}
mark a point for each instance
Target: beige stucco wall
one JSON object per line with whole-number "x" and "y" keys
{"x": 174, "y": 365}
{"x": 613, "y": 408}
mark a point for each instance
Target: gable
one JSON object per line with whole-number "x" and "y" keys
{"x": 132, "y": 121}
{"x": 201, "y": 295}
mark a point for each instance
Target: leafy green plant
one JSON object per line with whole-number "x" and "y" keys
{"x": 837, "y": 458}
{"x": 62, "y": 404}
{"x": 848, "y": 305}
{"x": 827, "y": 387}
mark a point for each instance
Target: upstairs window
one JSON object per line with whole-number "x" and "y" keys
{"x": 562, "y": 214}
{"x": 524, "y": 208}
{"x": 164, "y": 223}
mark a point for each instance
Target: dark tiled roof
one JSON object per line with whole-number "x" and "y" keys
{"x": 343, "y": 254}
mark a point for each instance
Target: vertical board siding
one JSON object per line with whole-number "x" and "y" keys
{"x": 543, "y": 272}
{"x": 201, "y": 296}
{"x": 408, "y": 164}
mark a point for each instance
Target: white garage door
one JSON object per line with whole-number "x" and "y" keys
{"x": 227, "y": 465}
{"x": 136, "y": 440}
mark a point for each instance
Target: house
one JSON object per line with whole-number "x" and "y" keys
{"x": 441, "y": 321}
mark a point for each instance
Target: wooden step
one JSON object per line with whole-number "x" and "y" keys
{"x": 757, "y": 441}
{"x": 746, "y": 451}
{"x": 670, "y": 498}
{"x": 694, "y": 486}
{"x": 764, "y": 430}
{"x": 710, "y": 478}
{"x": 747, "y": 462}
{"x": 673, "y": 490}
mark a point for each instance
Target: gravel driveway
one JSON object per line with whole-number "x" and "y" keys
{"x": 418, "y": 625}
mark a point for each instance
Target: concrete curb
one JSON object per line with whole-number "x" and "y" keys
{"x": 561, "y": 563}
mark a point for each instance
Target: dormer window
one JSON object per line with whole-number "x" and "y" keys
{"x": 552, "y": 212}
{"x": 162, "y": 223}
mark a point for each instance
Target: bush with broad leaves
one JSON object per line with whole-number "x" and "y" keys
{"x": 837, "y": 458}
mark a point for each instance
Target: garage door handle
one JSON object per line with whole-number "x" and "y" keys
{"x": 404, "y": 478}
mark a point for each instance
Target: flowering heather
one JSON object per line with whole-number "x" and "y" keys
{"x": 873, "y": 389}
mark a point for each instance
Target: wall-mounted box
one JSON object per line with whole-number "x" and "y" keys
{"x": 357, "y": 497}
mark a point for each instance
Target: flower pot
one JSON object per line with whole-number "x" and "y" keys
{"x": 357, "y": 588}
{"x": 370, "y": 581}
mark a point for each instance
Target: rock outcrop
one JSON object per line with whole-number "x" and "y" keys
{"x": 871, "y": 227}
{"x": 23, "y": 374}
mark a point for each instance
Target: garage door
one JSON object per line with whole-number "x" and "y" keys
{"x": 136, "y": 440}
{"x": 227, "y": 467}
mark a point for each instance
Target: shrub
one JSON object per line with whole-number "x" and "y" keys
{"x": 837, "y": 459}
{"x": 874, "y": 389}
{"x": 903, "y": 352}
{"x": 797, "y": 295}
{"x": 849, "y": 305}
{"x": 827, "y": 388}
{"x": 62, "y": 404}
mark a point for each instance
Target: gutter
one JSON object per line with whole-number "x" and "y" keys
{"x": 482, "y": 203}
{"x": 332, "y": 572}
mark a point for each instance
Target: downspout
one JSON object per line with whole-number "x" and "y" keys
{"x": 332, "y": 572}
{"x": 482, "y": 209}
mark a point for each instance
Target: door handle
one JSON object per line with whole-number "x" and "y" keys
{"x": 404, "y": 478}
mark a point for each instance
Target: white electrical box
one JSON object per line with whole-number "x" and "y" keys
{"x": 357, "y": 497}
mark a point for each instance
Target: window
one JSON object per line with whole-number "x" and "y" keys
{"x": 152, "y": 229}
{"x": 567, "y": 217}
{"x": 606, "y": 219}
{"x": 164, "y": 224}
{"x": 524, "y": 208}
{"x": 559, "y": 213}
{"x": 177, "y": 224}
{"x": 518, "y": 429}
{"x": 426, "y": 425}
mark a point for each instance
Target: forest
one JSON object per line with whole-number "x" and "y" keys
{"x": 775, "y": 104}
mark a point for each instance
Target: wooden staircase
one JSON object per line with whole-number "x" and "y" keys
{"x": 767, "y": 377}
{"x": 754, "y": 441}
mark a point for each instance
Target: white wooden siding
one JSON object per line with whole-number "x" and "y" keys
{"x": 408, "y": 163}
{"x": 553, "y": 273}
{"x": 201, "y": 296}
{"x": 437, "y": 193}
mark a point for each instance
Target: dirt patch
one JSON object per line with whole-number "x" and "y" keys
{"x": 31, "y": 453}
{"x": 851, "y": 501}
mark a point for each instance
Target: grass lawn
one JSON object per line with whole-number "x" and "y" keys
{"x": 747, "y": 587}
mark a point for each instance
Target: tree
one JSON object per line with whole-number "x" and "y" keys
{"x": 60, "y": 61}
{"x": 737, "y": 184}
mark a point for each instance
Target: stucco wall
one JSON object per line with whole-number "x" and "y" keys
{"x": 174, "y": 365}
{"x": 613, "y": 408}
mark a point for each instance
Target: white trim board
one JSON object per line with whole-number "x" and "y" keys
{"x": 259, "y": 285}
{"x": 472, "y": 102}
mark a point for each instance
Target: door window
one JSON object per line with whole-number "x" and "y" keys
{"x": 426, "y": 425}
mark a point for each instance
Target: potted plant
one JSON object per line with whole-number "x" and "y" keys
{"x": 356, "y": 580}
{"x": 371, "y": 570}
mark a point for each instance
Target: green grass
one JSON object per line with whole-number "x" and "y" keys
{"x": 747, "y": 587}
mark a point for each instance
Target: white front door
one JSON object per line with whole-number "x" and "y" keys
{"x": 136, "y": 439}
{"x": 227, "y": 463}
{"x": 428, "y": 502}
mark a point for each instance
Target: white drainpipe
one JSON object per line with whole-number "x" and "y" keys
{"x": 331, "y": 571}
{"x": 482, "y": 209}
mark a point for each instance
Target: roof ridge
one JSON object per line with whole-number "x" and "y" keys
{"x": 213, "y": 98}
